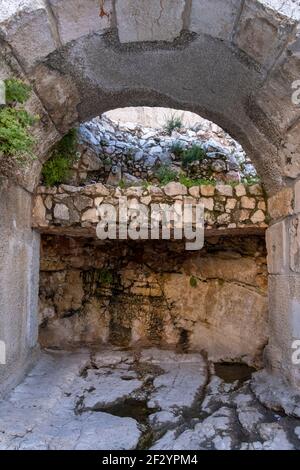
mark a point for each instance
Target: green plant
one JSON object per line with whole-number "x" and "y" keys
{"x": 193, "y": 154}
{"x": 174, "y": 122}
{"x": 250, "y": 180}
{"x": 189, "y": 182}
{"x": 15, "y": 122}
{"x": 165, "y": 174}
{"x": 57, "y": 168}
{"x": 122, "y": 184}
{"x": 193, "y": 282}
{"x": 177, "y": 148}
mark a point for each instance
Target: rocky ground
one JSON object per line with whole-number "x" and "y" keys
{"x": 150, "y": 399}
{"x": 130, "y": 154}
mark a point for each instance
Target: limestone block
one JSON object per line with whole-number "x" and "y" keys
{"x": 208, "y": 203}
{"x": 175, "y": 189}
{"x": 261, "y": 33}
{"x": 281, "y": 204}
{"x": 61, "y": 212}
{"x": 248, "y": 202}
{"x": 225, "y": 190}
{"x": 96, "y": 189}
{"x": 91, "y": 215}
{"x": 39, "y": 212}
{"x": 158, "y": 20}
{"x": 284, "y": 320}
{"x": 25, "y": 25}
{"x": 194, "y": 191}
{"x": 207, "y": 190}
{"x": 244, "y": 215}
{"x": 82, "y": 202}
{"x": 246, "y": 323}
{"x": 76, "y": 18}
{"x": 277, "y": 248}
{"x": 214, "y": 17}
{"x": 240, "y": 190}
{"x": 258, "y": 217}
{"x": 59, "y": 96}
{"x": 230, "y": 204}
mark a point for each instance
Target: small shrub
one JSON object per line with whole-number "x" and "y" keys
{"x": 174, "y": 122}
{"x": 177, "y": 148}
{"x": 165, "y": 174}
{"x": 193, "y": 282}
{"x": 15, "y": 138}
{"x": 193, "y": 154}
{"x": 56, "y": 170}
{"x": 16, "y": 91}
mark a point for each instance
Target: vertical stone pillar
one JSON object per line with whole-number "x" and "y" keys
{"x": 283, "y": 245}
{"x": 19, "y": 281}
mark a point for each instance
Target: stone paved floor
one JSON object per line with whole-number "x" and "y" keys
{"x": 154, "y": 399}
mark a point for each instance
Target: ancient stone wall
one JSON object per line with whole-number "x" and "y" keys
{"x": 75, "y": 210}
{"x": 124, "y": 293}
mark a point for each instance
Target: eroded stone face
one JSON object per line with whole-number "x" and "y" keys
{"x": 155, "y": 294}
{"x": 149, "y": 21}
{"x": 214, "y": 17}
{"x": 76, "y": 19}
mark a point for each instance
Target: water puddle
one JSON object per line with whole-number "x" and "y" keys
{"x": 230, "y": 372}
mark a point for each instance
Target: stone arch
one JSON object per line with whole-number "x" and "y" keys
{"x": 233, "y": 62}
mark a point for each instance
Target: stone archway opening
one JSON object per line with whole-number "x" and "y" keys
{"x": 155, "y": 293}
{"x": 237, "y": 65}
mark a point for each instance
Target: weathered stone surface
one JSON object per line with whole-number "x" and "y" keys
{"x": 281, "y": 204}
{"x": 248, "y": 202}
{"x": 284, "y": 303}
{"x": 59, "y": 96}
{"x": 260, "y": 33}
{"x": 61, "y": 212}
{"x": 225, "y": 190}
{"x": 214, "y": 17}
{"x": 149, "y": 21}
{"x": 24, "y": 24}
{"x": 175, "y": 189}
{"x": 39, "y": 211}
{"x": 76, "y": 19}
{"x": 277, "y": 248}
{"x": 257, "y": 217}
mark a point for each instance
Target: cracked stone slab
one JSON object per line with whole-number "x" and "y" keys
{"x": 109, "y": 389}
{"x": 158, "y": 20}
{"x": 39, "y": 413}
{"x": 171, "y": 392}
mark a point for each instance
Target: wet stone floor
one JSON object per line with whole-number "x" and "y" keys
{"x": 151, "y": 399}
